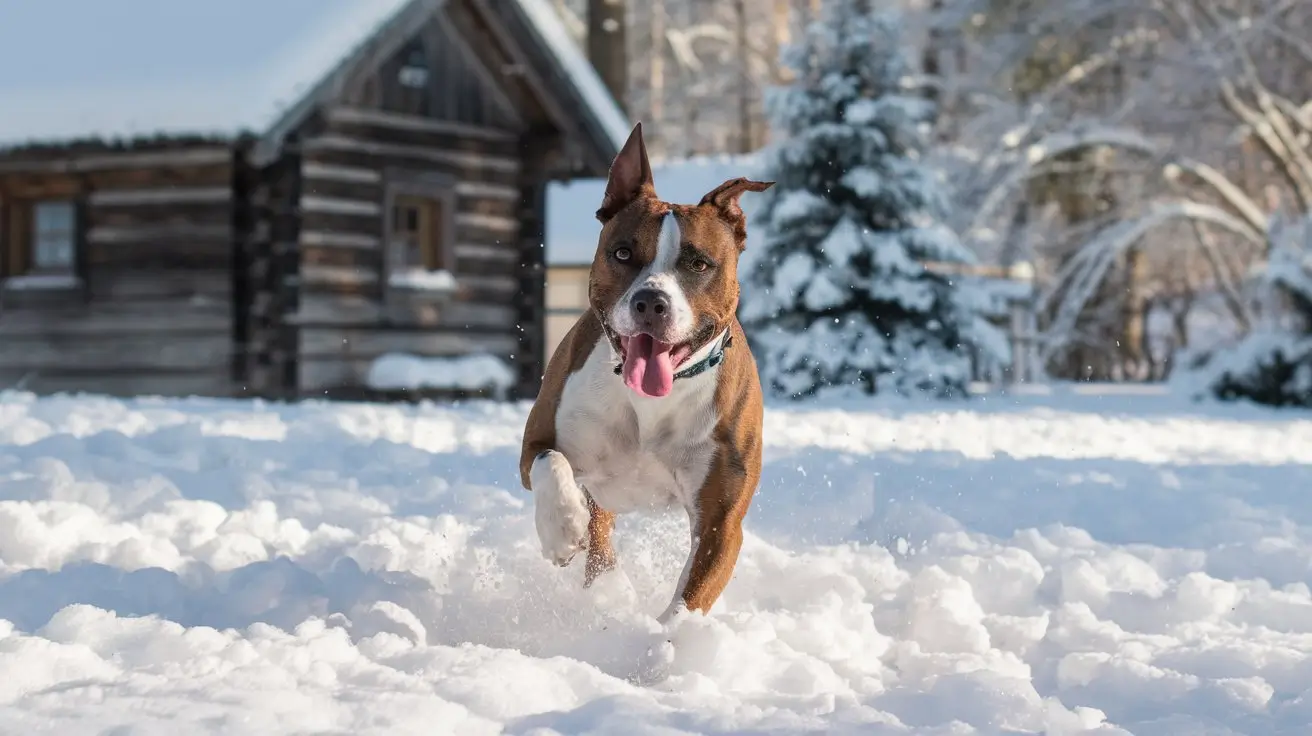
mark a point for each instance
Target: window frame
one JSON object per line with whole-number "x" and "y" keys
{"x": 437, "y": 189}
{"x": 19, "y": 239}
{"x": 34, "y": 239}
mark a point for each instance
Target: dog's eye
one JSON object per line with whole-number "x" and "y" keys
{"x": 698, "y": 265}
{"x": 623, "y": 254}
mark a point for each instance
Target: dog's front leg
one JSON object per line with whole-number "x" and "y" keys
{"x": 560, "y": 508}
{"x": 716, "y": 522}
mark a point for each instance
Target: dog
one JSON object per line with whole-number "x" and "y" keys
{"x": 652, "y": 400}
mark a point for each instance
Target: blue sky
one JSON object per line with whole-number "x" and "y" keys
{"x": 70, "y": 67}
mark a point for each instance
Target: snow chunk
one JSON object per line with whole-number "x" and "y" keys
{"x": 474, "y": 372}
{"x": 421, "y": 279}
{"x": 42, "y": 282}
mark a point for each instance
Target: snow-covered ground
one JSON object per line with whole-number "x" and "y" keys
{"x": 1127, "y": 564}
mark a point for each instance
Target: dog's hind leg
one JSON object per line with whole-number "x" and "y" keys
{"x": 601, "y": 553}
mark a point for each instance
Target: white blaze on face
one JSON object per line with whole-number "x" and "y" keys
{"x": 662, "y": 275}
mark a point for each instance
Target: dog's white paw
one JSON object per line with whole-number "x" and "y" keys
{"x": 560, "y": 510}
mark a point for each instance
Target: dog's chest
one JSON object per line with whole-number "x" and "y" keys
{"x": 631, "y": 452}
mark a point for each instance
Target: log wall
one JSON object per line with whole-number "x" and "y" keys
{"x": 349, "y": 314}
{"x": 150, "y": 310}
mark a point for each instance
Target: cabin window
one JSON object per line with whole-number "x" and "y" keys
{"x": 418, "y": 255}
{"x": 40, "y": 241}
{"x": 416, "y": 234}
{"x": 419, "y": 235}
{"x": 54, "y": 237}
{"x": 412, "y": 81}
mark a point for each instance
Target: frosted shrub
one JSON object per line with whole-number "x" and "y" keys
{"x": 1273, "y": 364}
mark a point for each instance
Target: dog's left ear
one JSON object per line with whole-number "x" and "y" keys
{"x": 724, "y": 198}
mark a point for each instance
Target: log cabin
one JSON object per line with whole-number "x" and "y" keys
{"x": 272, "y": 215}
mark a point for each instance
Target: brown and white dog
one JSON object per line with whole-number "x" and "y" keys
{"x": 652, "y": 399}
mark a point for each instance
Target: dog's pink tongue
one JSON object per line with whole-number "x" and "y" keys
{"x": 648, "y": 369}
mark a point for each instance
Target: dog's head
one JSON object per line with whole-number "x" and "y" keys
{"x": 664, "y": 280}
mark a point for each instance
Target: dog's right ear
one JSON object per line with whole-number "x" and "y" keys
{"x": 630, "y": 177}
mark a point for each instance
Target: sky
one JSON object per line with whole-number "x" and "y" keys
{"x": 78, "y": 67}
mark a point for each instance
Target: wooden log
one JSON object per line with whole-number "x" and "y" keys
{"x": 242, "y": 227}
{"x": 318, "y": 342}
{"x": 463, "y": 160}
{"x": 161, "y": 317}
{"x": 182, "y": 158}
{"x": 396, "y": 121}
{"x": 165, "y": 196}
{"x": 487, "y": 190}
{"x": 348, "y": 190}
{"x": 113, "y": 284}
{"x": 493, "y": 223}
{"x": 501, "y": 252}
{"x": 180, "y": 215}
{"x": 128, "y": 351}
{"x": 410, "y": 314}
{"x": 210, "y": 253}
{"x": 122, "y": 382}
{"x": 339, "y": 206}
{"x": 334, "y": 239}
{"x": 167, "y": 232}
{"x": 315, "y": 172}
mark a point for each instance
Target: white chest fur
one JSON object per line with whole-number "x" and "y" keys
{"x": 631, "y": 452}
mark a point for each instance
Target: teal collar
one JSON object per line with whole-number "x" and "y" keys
{"x": 714, "y": 358}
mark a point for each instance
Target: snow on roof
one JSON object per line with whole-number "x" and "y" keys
{"x": 572, "y": 227}
{"x": 70, "y": 69}
{"x": 552, "y": 29}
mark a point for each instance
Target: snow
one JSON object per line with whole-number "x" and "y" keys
{"x": 421, "y": 279}
{"x": 473, "y": 372}
{"x": 107, "y": 80}
{"x": 1068, "y": 563}
{"x": 572, "y": 227}
{"x": 595, "y": 94}
{"x": 41, "y": 282}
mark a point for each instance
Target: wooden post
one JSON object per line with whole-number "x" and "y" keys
{"x": 746, "y": 140}
{"x": 285, "y": 266}
{"x": 531, "y": 308}
{"x": 81, "y": 261}
{"x": 607, "y": 46}
{"x": 243, "y": 225}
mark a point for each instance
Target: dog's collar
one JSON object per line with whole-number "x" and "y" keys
{"x": 714, "y": 358}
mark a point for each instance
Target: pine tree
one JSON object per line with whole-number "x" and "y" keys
{"x": 839, "y": 297}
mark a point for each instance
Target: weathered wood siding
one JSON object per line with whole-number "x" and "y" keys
{"x": 454, "y": 134}
{"x": 346, "y": 318}
{"x": 152, "y": 312}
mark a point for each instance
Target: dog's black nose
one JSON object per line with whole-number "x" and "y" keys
{"x": 652, "y": 304}
{"x": 651, "y": 311}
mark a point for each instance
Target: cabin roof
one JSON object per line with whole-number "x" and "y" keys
{"x": 73, "y": 71}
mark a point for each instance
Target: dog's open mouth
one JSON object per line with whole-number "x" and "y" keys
{"x": 649, "y": 364}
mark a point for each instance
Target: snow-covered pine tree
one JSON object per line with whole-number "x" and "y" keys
{"x": 838, "y": 297}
